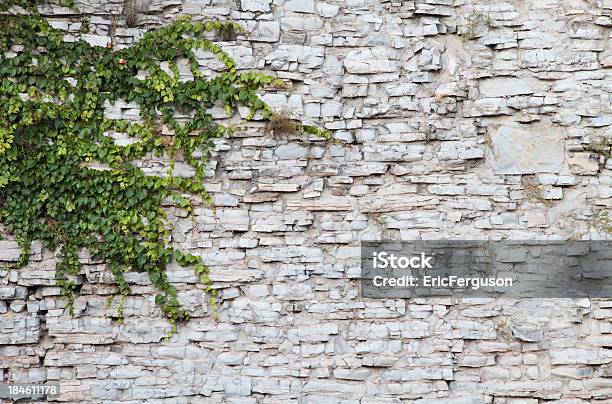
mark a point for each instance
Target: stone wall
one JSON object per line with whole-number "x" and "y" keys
{"x": 459, "y": 119}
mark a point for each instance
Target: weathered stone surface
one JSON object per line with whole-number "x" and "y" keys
{"x": 454, "y": 119}
{"x": 233, "y": 219}
{"x": 517, "y": 151}
{"x": 335, "y": 204}
{"x": 19, "y": 329}
{"x": 266, "y": 31}
{"x": 362, "y": 61}
{"x": 583, "y": 164}
{"x": 9, "y": 251}
{"x": 503, "y": 87}
{"x": 290, "y": 152}
{"x": 300, "y": 6}
{"x": 255, "y": 5}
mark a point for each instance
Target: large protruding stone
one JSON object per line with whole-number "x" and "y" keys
{"x": 517, "y": 151}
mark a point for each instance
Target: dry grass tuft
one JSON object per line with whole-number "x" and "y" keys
{"x": 504, "y": 329}
{"x": 600, "y": 145}
{"x": 228, "y": 32}
{"x": 281, "y": 122}
{"x": 130, "y": 11}
{"x": 602, "y": 222}
{"x": 533, "y": 191}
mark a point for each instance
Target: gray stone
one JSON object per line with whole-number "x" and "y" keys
{"x": 96, "y": 40}
{"x": 255, "y": 5}
{"x": 526, "y": 333}
{"x": 290, "y": 152}
{"x": 19, "y": 329}
{"x": 517, "y": 151}
{"x": 233, "y": 219}
{"x": 363, "y": 61}
{"x": 300, "y": 6}
{"x": 9, "y": 251}
{"x": 327, "y": 10}
{"x": 583, "y": 164}
{"x": 267, "y": 31}
{"x": 504, "y": 87}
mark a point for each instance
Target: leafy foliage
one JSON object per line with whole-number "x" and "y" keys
{"x": 54, "y": 132}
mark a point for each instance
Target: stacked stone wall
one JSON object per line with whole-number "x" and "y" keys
{"x": 459, "y": 119}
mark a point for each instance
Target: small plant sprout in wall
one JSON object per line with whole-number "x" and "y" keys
{"x": 475, "y": 25}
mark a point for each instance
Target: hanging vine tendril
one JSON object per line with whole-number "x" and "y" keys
{"x": 54, "y": 131}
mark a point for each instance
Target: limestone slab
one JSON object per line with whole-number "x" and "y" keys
{"x": 518, "y": 151}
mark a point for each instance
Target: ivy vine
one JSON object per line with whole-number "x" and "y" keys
{"x": 65, "y": 181}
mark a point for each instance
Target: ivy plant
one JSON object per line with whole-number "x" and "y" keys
{"x": 64, "y": 180}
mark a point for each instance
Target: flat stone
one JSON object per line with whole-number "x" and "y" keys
{"x": 583, "y": 164}
{"x": 331, "y": 204}
{"x": 527, "y": 334}
{"x": 234, "y": 275}
{"x": 327, "y": 10}
{"x": 278, "y": 187}
{"x": 255, "y": 5}
{"x": 233, "y": 219}
{"x": 267, "y": 31}
{"x": 9, "y": 250}
{"x": 300, "y": 6}
{"x": 260, "y": 197}
{"x": 96, "y": 40}
{"x": 290, "y": 152}
{"x": 516, "y": 151}
{"x": 504, "y": 87}
{"x": 364, "y": 61}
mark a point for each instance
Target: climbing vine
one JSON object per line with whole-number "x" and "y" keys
{"x": 64, "y": 180}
